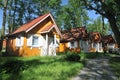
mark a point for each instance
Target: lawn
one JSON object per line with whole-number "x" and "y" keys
{"x": 115, "y": 64}
{"x": 38, "y": 68}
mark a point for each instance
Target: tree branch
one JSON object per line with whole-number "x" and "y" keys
{"x": 87, "y": 4}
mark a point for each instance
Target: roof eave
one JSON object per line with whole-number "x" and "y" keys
{"x": 37, "y": 23}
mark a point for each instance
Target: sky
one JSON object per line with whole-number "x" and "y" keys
{"x": 1, "y": 14}
{"x": 91, "y": 14}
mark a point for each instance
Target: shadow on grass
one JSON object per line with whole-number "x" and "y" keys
{"x": 12, "y": 68}
{"x": 115, "y": 64}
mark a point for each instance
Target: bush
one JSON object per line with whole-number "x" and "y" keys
{"x": 71, "y": 56}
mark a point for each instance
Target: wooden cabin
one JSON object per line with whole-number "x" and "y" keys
{"x": 95, "y": 42}
{"x": 38, "y": 37}
{"x": 74, "y": 40}
{"x": 109, "y": 43}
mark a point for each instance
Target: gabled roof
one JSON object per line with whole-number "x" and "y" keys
{"x": 74, "y": 34}
{"x": 108, "y": 39}
{"x": 95, "y": 36}
{"x": 31, "y": 24}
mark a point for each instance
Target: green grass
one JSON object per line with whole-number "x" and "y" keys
{"x": 93, "y": 55}
{"x": 115, "y": 64}
{"x": 38, "y": 68}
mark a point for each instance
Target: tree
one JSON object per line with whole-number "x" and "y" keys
{"x": 110, "y": 9}
{"x": 18, "y": 12}
{"x": 73, "y": 15}
{"x": 4, "y": 3}
{"x": 4, "y": 17}
{"x": 97, "y": 26}
{"x": 22, "y": 11}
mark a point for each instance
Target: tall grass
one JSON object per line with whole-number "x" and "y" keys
{"x": 38, "y": 68}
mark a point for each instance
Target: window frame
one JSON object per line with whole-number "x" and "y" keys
{"x": 35, "y": 45}
{"x": 19, "y": 41}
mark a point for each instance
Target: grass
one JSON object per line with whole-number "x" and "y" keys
{"x": 38, "y": 68}
{"x": 115, "y": 64}
{"x": 93, "y": 55}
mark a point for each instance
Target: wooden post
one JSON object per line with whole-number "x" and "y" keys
{"x": 92, "y": 44}
{"x": 98, "y": 46}
{"x": 55, "y": 39}
{"x": 55, "y": 44}
{"x": 46, "y": 43}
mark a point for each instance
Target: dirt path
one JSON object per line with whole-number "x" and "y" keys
{"x": 96, "y": 69}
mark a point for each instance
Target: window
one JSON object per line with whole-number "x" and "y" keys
{"x": 72, "y": 44}
{"x": 35, "y": 40}
{"x": 19, "y": 41}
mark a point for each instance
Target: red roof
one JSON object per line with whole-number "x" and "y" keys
{"x": 95, "y": 37}
{"x": 29, "y": 25}
{"x": 108, "y": 39}
{"x": 74, "y": 34}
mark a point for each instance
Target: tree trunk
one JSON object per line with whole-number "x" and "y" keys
{"x": 3, "y": 24}
{"x": 114, "y": 28}
{"x": 4, "y": 17}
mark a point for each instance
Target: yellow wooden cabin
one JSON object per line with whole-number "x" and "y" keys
{"x": 38, "y": 37}
{"x": 74, "y": 40}
{"x": 95, "y": 42}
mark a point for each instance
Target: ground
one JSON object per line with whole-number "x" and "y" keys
{"x": 97, "y": 69}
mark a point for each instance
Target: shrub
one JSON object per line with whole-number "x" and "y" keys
{"x": 71, "y": 56}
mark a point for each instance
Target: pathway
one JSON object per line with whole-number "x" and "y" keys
{"x": 96, "y": 69}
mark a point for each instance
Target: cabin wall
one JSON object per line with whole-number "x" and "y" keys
{"x": 96, "y": 47}
{"x": 62, "y": 47}
{"x": 24, "y": 50}
{"x": 69, "y": 46}
{"x": 84, "y": 45}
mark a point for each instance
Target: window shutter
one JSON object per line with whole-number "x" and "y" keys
{"x": 75, "y": 44}
{"x": 22, "y": 40}
{"x": 16, "y": 41}
{"x": 29, "y": 40}
{"x": 40, "y": 41}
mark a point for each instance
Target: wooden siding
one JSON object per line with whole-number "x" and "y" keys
{"x": 25, "y": 50}
{"x": 39, "y": 27}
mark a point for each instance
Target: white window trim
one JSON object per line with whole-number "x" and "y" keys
{"x": 30, "y": 41}
{"x": 37, "y": 45}
{"x": 19, "y": 41}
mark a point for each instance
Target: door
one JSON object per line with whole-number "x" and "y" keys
{"x": 51, "y": 46}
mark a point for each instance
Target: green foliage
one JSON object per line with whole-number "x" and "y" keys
{"x": 96, "y": 26}
{"x": 109, "y": 9}
{"x": 38, "y": 68}
{"x": 115, "y": 64}
{"x": 71, "y": 56}
{"x": 73, "y": 15}
{"x": 22, "y": 11}
{"x": 92, "y": 55}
